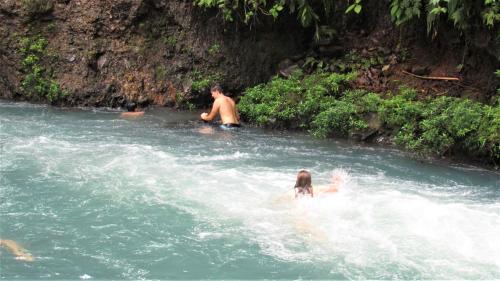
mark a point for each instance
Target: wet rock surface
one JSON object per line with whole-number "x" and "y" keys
{"x": 107, "y": 52}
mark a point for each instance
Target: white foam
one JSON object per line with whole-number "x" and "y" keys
{"x": 377, "y": 225}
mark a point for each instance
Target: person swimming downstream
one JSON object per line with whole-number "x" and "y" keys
{"x": 17, "y": 250}
{"x": 303, "y": 184}
{"x": 225, "y": 107}
{"x": 132, "y": 110}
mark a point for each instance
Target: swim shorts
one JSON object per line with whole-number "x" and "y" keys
{"x": 229, "y": 126}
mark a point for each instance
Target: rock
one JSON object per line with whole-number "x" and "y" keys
{"x": 324, "y": 42}
{"x": 331, "y": 51}
{"x": 385, "y": 51}
{"x": 386, "y": 70}
{"x": 284, "y": 64}
{"x": 393, "y": 59}
{"x": 186, "y": 85}
{"x": 362, "y": 80}
{"x": 374, "y": 126}
{"x": 101, "y": 62}
{"x": 363, "y": 135}
{"x": 10, "y": 7}
{"x": 105, "y": 42}
{"x": 289, "y": 70}
{"x": 420, "y": 70}
{"x": 374, "y": 121}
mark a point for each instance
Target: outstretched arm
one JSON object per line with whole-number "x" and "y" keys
{"x": 213, "y": 112}
{"x": 17, "y": 250}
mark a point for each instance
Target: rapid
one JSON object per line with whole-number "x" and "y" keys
{"x": 92, "y": 195}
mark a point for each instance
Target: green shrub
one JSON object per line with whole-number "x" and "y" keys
{"x": 170, "y": 41}
{"x": 34, "y": 8}
{"x": 437, "y": 126}
{"x": 214, "y": 49}
{"x": 487, "y": 139}
{"x": 324, "y": 104}
{"x": 339, "y": 118}
{"x": 294, "y": 101}
{"x": 37, "y": 80}
{"x": 401, "y": 109}
{"x": 202, "y": 82}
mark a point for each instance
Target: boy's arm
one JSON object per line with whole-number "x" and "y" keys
{"x": 213, "y": 112}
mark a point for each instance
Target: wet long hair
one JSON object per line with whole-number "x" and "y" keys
{"x": 303, "y": 184}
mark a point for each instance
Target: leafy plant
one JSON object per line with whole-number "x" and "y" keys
{"x": 307, "y": 11}
{"x": 463, "y": 13}
{"x": 491, "y": 12}
{"x": 325, "y": 105}
{"x": 37, "y": 80}
{"x": 35, "y": 8}
{"x": 160, "y": 72}
{"x": 170, "y": 41}
{"x": 294, "y": 101}
{"x": 201, "y": 81}
{"x": 214, "y": 49}
{"x": 404, "y": 10}
{"x": 356, "y": 7}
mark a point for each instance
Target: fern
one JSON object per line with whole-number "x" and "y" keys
{"x": 491, "y": 12}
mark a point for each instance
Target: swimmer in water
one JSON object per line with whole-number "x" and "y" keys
{"x": 223, "y": 106}
{"x": 303, "y": 184}
{"x": 131, "y": 110}
{"x": 17, "y": 250}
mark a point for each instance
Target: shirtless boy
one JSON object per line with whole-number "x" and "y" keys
{"x": 131, "y": 111}
{"x": 225, "y": 107}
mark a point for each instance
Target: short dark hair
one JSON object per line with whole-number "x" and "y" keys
{"x": 131, "y": 106}
{"x": 216, "y": 88}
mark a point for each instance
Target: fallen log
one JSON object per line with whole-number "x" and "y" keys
{"x": 443, "y": 78}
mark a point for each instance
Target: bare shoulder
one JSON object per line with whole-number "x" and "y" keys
{"x": 132, "y": 114}
{"x": 230, "y": 100}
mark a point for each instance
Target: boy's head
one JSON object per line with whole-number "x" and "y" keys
{"x": 216, "y": 90}
{"x": 131, "y": 106}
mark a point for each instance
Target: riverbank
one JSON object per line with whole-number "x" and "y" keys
{"x": 327, "y": 104}
{"x": 169, "y": 53}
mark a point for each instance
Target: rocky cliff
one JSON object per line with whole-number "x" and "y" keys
{"x": 105, "y": 52}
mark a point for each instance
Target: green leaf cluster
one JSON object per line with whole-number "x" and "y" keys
{"x": 202, "y": 81}
{"x": 293, "y": 102}
{"x": 440, "y": 126}
{"x": 462, "y": 13}
{"x": 34, "y": 8}
{"x": 37, "y": 81}
{"x": 307, "y": 11}
{"x": 325, "y": 105}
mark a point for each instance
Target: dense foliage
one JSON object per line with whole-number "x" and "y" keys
{"x": 324, "y": 104}
{"x": 463, "y": 13}
{"x": 37, "y": 80}
{"x": 35, "y": 8}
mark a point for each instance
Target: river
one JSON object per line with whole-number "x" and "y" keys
{"x": 94, "y": 196}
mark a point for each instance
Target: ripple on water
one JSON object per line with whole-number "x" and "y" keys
{"x": 98, "y": 197}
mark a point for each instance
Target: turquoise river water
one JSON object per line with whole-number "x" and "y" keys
{"x": 94, "y": 196}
